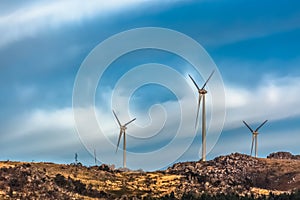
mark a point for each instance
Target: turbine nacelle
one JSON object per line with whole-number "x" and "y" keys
{"x": 202, "y": 91}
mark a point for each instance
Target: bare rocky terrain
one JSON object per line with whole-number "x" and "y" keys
{"x": 236, "y": 174}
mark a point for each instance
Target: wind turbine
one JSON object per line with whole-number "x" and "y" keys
{"x": 202, "y": 92}
{"x": 254, "y": 136}
{"x": 122, "y": 131}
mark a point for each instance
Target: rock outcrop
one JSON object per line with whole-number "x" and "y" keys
{"x": 225, "y": 174}
{"x": 283, "y": 155}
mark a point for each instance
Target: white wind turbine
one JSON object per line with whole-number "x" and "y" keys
{"x": 122, "y": 131}
{"x": 202, "y": 92}
{"x": 254, "y": 136}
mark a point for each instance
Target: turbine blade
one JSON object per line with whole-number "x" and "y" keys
{"x": 119, "y": 140}
{"x": 261, "y": 125}
{"x": 199, "y": 102}
{"x": 194, "y": 82}
{"x": 116, "y": 118}
{"x": 208, "y": 79}
{"x": 248, "y": 127}
{"x": 252, "y": 145}
{"x": 130, "y": 122}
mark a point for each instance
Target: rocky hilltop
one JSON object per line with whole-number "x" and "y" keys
{"x": 236, "y": 174}
{"x": 283, "y": 155}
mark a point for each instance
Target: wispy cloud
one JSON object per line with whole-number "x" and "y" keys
{"x": 38, "y": 121}
{"x": 275, "y": 99}
{"x": 33, "y": 18}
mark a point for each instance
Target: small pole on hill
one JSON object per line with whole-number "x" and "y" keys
{"x": 95, "y": 157}
{"x": 76, "y": 158}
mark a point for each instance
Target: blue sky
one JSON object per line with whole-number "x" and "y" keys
{"x": 255, "y": 45}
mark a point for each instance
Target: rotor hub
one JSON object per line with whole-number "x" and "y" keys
{"x": 202, "y": 91}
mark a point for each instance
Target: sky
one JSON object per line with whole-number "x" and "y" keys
{"x": 254, "y": 45}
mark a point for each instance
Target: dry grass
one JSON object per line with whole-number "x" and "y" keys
{"x": 135, "y": 183}
{"x": 285, "y": 173}
{"x": 259, "y": 192}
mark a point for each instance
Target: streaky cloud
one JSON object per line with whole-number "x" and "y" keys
{"x": 31, "y": 19}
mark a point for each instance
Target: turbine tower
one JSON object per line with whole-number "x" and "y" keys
{"x": 122, "y": 131}
{"x": 202, "y": 92}
{"x": 254, "y": 136}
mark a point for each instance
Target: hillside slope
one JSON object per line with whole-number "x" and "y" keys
{"x": 236, "y": 173}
